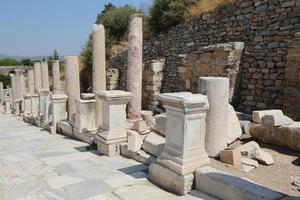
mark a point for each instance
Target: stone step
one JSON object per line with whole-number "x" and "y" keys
{"x": 227, "y": 187}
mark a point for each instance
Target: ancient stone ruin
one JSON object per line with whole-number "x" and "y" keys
{"x": 180, "y": 123}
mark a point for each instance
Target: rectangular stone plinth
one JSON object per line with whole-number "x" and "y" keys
{"x": 113, "y": 130}
{"x": 43, "y": 98}
{"x": 34, "y": 105}
{"x": 27, "y": 104}
{"x": 85, "y": 115}
{"x": 185, "y": 132}
{"x": 59, "y": 106}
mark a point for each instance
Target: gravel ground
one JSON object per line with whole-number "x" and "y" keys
{"x": 279, "y": 176}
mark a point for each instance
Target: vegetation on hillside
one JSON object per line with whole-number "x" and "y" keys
{"x": 9, "y": 62}
{"x": 5, "y": 79}
{"x": 205, "y": 6}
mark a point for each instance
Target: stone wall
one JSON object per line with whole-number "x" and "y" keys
{"x": 265, "y": 26}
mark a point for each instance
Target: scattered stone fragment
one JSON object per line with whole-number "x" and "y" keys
{"x": 273, "y": 117}
{"x": 287, "y": 135}
{"x": 147, "y": 115}
{"x": 296, "y": 181}
{"x": 232, "y": 157}
{"x": 249, "y": 162}
{"x": 154, "y": 144}
{"x": 252, "y": 150}
{"x": 140, "y": 155}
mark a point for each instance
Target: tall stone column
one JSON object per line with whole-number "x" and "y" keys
{"x": 135, "y": 66}
{"x": 37, "y": 77}
{"x": 30, "y": 81}
{"x": 13, "y": 83}
{"x": 55, "y": 77}
{"x": 2, "y": 93}
{"x": 217, "y": 91}
{"x": 99, "y": 70}
{"x": 72, "y": 83}
{"x": 45, "y": 76}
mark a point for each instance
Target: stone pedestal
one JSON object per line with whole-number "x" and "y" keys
{"x": 59, "y": 102}
{"x": 7, "y": 106}
{"x": 2, "y": 97}
{"x": 27, "y": 104}
{"x": 184, "y": 150}
{"x": 37, "y": 77}
{"x": 85, "y": 115}
{"x": 72, "y": 83}
{"x": 46, "y": 120}
{"x": 99, "y": 69}
{"x": 113, "y": 130}
{"x": 34, "y": 105}
{"x": 43, "y": 98}
{"x": 56, "y": 87}
{"x": 18, "y": 104}
{"x": 217, "y": 91}
{"x": 135, "y": 66}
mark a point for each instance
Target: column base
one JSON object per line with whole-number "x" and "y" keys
{"x": 109, "y": 148}
{"x": 170, "y": 180}
{"x": 46, "y": 126}
{"x": 65, "y": 127}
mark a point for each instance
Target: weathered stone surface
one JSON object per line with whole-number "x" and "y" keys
{"x": 135, "y": 142}
{"x": 56, "y": 85}
{"x": 140, "y": 155}
{"x": 248, "y": 164}
{"x": 30, "y": 81}
{"x": 217, "y": 91}
{"x": 287, "y": 135}
{"x": 45, "y": 76}
{"x": 245, "y": 126}
{"x": 252, "y": 150}
{"x": 85, "y": 115}
{"x": 147, "y": 115}
{"x": 140, "y": 126}
{"x": 160, "y": 123}
{"x": 154, "y": 144}
{"x": 168, "y": 179}
{"x": 37, "y": 77}
{"x": 226, "y": 186}
{"x": 234, "y": 127}
{"x": 232, "y": 157}
{"x": 59, "y": 109}
{"x": 99, "y": 68}
{"x": 274, "y": 117}
{"x": 135, "y": 66}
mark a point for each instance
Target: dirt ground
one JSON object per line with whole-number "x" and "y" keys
{"x": 278, "y": 177}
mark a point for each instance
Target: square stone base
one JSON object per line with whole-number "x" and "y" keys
{"x": 65, "y": 128}
{"x": 110, "y": 149}
{"x": 87, "y": 136}
{"x": 169, "y": 180}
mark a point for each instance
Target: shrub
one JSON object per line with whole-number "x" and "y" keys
{"x": 9, "y": 62}
{"x": 205, "y": 6}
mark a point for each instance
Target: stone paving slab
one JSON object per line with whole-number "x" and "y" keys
{"x": 35, "y": 165}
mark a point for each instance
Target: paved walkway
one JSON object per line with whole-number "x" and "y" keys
{"x": 35, "y": 165}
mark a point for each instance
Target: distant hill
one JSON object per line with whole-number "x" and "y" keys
{"x": 19, "y": 58}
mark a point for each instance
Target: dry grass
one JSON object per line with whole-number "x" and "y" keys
{"x": 118, "y": 48}
{"x": 205, "y": 6}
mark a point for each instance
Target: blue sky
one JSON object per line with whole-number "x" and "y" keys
{"x": 36, "y": 27}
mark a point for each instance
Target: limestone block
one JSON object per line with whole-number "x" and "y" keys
{"x": 59, "y": 106}
{"x": 234, "y": 127}
{"x": 140, "y": 126}
{"x": 35, "y": 105}
{"x": 168, "y": 179}
{"x": 276, "y": 116}
{"x": 65, "y": 128}
{"x": 147, "y": 115}
{"x": 27, "y": 104}
{"x": 287, "y": 135}
{"x": 135, "y": 142}
{"x": 226, "y": 186}
{"x": 7, "y": 106}
{"x": 154, "y": 144}
{"x": 160, "y": 123}
{"x": 232, "y": 157}
{"x": 248, "y": 164}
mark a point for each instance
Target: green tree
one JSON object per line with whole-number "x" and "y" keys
{"x": 167, "y": 13}
{"x": 115, "y": 20}
{"x": 9, "y": 62}
{"x": 27, "y": 62}
{"x": 5, "y": 79}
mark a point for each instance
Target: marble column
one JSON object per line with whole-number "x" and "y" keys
{"x": 113, "y": 130}
{"x": 135, "y": 66}
{"x": 217, "y": 91}
{"x": 56, "y": 87}
{"x": 99, "y": 70}
{"x": 72, "y": 83}
{"x": 2, "y": 97}
{"x": 45, "y": 76}
{"x": 30, "y": 81}
{"x": 37, "y": 77}
{"x": 7, "y": 106}
{"x": 13, "y": 83}
{"x": 184, "y": 149}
